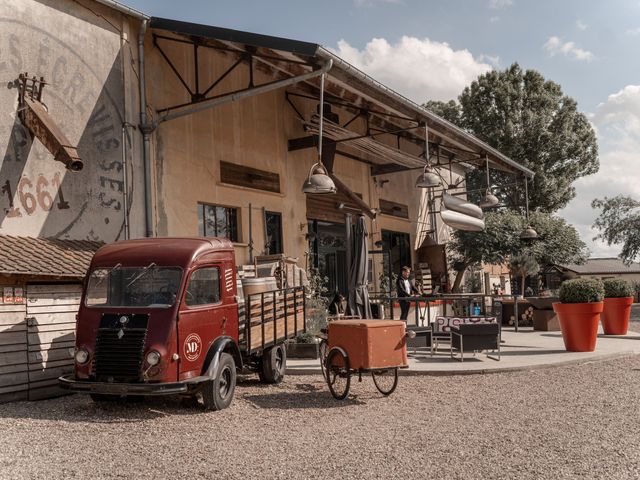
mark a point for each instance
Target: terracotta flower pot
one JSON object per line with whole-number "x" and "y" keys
{"x": 615, "y": 316}
{"x": 579, "y": 324}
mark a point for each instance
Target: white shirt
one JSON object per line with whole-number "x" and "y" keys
{"x": 407, "y": 286}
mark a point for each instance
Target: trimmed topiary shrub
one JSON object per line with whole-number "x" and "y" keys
{"x": 617, "y": 288}
{"x": 581, "y": 290}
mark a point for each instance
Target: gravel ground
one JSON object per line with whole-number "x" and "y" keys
{"x": 581, "y": 421}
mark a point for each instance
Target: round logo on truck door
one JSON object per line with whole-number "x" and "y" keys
{"x": 192, "y": 347}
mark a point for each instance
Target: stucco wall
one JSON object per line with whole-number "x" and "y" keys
{"x": 86, "y": 54}
{"x": 252, "y": 132}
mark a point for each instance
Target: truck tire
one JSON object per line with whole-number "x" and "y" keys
{"x": 217, "y": 394}
{"x": 274, "y": 364}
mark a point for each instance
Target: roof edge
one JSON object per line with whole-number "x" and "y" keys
{"x": 346, "y": 66}
{"x": 252, "y": 39}
{"x": 124, "y": 9}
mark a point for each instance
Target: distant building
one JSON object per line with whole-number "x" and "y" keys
{"x": 601, "y": 268}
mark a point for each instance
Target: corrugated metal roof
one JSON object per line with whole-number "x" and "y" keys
{"x": 603, "y": 266}
{"x": 45, "y": 256}
{"x": 236, "y": 36}
{"x": 312, "y": 50}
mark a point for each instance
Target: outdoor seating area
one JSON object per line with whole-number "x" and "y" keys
{"x": 526, "y": 349}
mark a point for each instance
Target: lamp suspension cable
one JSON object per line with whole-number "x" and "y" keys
{"x": 426, "y": 143}
{"x": 321, "y": 118}
{"x": 488, "y": 178}
{"x": 526, "y": 197}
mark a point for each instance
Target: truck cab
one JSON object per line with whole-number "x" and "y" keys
{"x": 160, "y": 316}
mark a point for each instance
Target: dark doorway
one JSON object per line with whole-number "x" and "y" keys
{"x": 399, "y": 248}
{"x": 273, "y": 232}
{"x": 328, "y": 248}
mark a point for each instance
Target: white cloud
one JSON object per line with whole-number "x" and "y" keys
{"x": 633, "y": 31}
{"x": 493, "y": 60}
{"x": 580, "y": 25}
{"x": 497, "y": 4}
{"x": 494, "y": 19}
{"x": 617, "y": 122}
{"x": 420, "y": 69}
{"x": 555, "y": 46}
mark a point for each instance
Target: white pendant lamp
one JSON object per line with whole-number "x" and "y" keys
{"x": 319, "y": 182}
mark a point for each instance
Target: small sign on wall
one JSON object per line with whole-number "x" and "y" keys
{"x": 12, "y": 295}
{"x": 18, "y": 295}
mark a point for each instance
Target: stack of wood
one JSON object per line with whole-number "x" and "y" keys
{"x": 282, "y": 267}
{"x": 246, "y": 271}
{"x": 423, "y": 275}
{"x": 526, "y": 317}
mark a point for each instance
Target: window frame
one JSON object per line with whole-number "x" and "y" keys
{"x": 202, "y": 220}
{"x": 186, "y": 288}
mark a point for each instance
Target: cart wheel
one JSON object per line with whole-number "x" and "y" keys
{"x": 338, "y": 374}
{"x": 324, "y": 350}
{"x": 386, "y": 380}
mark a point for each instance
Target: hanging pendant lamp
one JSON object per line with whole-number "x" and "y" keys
{"x": 428, "y": 178}
{"x": 528, "y": 234}
{"x": 319, "y": 182}
{"x": 489, "y": 200}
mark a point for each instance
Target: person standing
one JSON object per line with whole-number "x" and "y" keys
{"x": 405, "y": 288}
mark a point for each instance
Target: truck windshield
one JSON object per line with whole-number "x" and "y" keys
{"x": 150, "y": 286}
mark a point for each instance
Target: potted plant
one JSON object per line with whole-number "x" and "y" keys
{"x": 305, "y": 345}
{"x": 618, "y": 297}
{"x": 579, "y": 312}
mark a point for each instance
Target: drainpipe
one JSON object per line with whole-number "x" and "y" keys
{"x": 146, "y": 130}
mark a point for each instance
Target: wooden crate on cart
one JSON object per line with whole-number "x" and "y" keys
{"x": 370, "y": 344}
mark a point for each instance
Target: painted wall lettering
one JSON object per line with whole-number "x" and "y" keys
{"x": 33, "y": 195}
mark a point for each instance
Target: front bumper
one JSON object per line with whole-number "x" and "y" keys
{"x": 70, "y": 383}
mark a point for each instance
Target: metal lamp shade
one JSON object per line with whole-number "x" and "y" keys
{"x": 318, "y": 182}
{"x": 428, "y": 179}
{"x": 489, "y": 200}
{"x": 528, "y": 234}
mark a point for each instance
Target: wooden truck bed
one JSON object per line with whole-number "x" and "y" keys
{"x": 270, "y": 318}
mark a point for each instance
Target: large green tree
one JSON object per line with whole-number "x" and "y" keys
{"x": 619, "y": 224}
{"x": 558, "y": 242}
{"x": 530, "y": 120}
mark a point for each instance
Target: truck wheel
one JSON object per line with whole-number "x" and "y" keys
{"x": 217, "y": 394}
{"x": 274, "y": 364}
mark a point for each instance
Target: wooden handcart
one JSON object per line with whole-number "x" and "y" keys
{"x": 364, "y": 346}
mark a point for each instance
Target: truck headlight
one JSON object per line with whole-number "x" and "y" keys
{"x": 153, "y": 358}
{"x": 82, "y": 356}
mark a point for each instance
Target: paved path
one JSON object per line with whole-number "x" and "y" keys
{"x": 523, "y": 350}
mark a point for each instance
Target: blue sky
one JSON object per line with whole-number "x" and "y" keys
{"x": 428, "y": 49}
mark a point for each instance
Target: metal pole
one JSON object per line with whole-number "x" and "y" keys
{"x": 125, "y": 181}
{"x": 390, "y": 284}
{"x": 251, "y": 235}
{"x": 146, "y": 135}
{"x": 348, "y": 239}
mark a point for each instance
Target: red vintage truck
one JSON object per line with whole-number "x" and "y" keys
{"x": 162, "y": 316}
